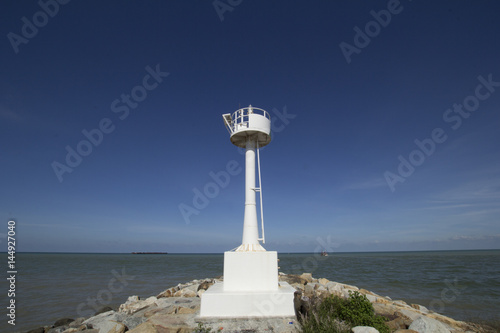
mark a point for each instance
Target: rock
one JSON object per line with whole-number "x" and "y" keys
{"x": 103, "y": 309}
{"x": 194, "y": 287}
{"x": 411, "y": 313}
{"x": 134, "y": 321}
{"x": 307, "y": 276}
{"x": 131, "y": 307}
{"x": 76, "y": 326}
{"x": 302, "y": 304}
{"x": 364, "y": 329}
{"x": 186, "y": 292}
{"x": 395, "y": 324}
{"x": 320, "y": 287}
{"x": 183, "y": 300}
{"x": 132, "y": 299}
{"x": 77, "y": 329}
{"x": 460, "y": 325}
{"x": 423, "y": 309}
{"x": 173, "y": 323}
{"x": 146, "y": 327}
{"x": 406, "y": 320}
{"x": 77, "y": 322}
{"x": 322, "y": 292}
{"x": 383, "y": 309}
{"x": 384, "y": 300}
{"x": 59, "y": 329}
{"x": 298, "y": 287}
{"x": 205, "y": 285}
{"x": 401, "y": 303}
{"x": 348, "y": 286}
{"x": 165, "y": 307}
{"x": 425, "y": 324}
{"x": 323, "y": 281}
{"x": 309, "y": 290}
{"x": 71, "y": 330}
{"x": 165, "y": 302}
{"x": 107, "y": 322}
{"x": 293, "y": 279}
{"x": 334, "y": 288}
{"x": 167, "y": 293}
{"x": 346, "y": 293}
{"x": 405, "y": 331}
{"x": 371, "y": 298}
{"x": 63, "y": 322}
{"x": 184, "y": 310}
{"x": 112, "y": 327}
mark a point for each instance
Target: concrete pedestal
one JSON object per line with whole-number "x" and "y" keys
{"x": 216, "y": 302}
{"x": 250, "y": 271}
{"x": 250, "y": 288}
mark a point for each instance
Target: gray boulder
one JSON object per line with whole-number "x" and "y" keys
{"x": 425, "y": 324}
{"x": 63, "y": 321}
{"x": 364, "y": 329}
{"x": 108, "y": 322}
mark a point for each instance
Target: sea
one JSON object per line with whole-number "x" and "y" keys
{"x": 464, "y": 285}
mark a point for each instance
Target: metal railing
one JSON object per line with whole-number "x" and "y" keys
{"x": 240, "y": 118}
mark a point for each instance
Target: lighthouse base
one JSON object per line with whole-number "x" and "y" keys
{"x": 250, "y": 271}
{"x": 216, "y": 302}
{"x": 250, "y": 288}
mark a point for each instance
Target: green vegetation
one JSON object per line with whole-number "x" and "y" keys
{"x": 203, "y": 329}
{"x": 338, "y": 315}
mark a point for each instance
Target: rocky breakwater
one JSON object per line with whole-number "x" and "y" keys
{"x": 401, "y": 317}
{"x": 177, "y": 310}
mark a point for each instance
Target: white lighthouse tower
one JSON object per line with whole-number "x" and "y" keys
{"x": 250, "y": 287}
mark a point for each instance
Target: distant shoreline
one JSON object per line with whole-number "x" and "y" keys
{"x": 279, "y": 252}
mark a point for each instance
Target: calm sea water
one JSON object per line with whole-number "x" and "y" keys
{"x": 462, "y": 284}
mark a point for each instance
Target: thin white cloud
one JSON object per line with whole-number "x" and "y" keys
{"x": 445, "y": 205}
{"x": 482, "y": 192}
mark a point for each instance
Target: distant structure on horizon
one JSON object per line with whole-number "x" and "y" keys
{"x": 250, "y": 272}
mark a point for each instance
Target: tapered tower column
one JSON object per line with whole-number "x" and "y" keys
{"x": 250, "y": 240}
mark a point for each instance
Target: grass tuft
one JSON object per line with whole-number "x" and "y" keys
{"x": 338, "y": 315}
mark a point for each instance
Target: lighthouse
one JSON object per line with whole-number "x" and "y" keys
{"x": 250, "y": 128}
{"x": 250, "y": 287}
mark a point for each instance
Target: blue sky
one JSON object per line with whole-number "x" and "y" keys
{"x": 351, "y": 86}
